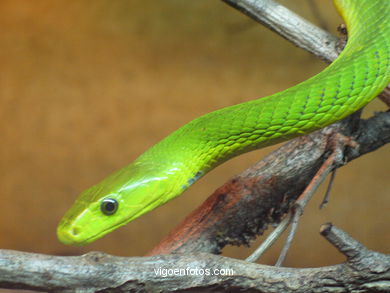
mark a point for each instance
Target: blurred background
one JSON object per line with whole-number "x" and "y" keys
{"x": 87, "y": 86}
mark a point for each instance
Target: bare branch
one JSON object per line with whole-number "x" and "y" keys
{"x": 364, "y": 271}
{"x": 290, "y": 26}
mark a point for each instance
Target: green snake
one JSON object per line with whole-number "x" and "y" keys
{"x": 168, "y": 168}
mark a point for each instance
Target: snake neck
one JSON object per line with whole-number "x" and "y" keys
{"x": 171, "y": 166}
{"x": 349, "y": 83}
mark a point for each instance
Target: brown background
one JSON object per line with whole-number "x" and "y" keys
{"x": 86, "y": 86}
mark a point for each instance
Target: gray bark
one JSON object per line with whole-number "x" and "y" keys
{"x": 290, "y": 26}
{"x": 364, "y": 271}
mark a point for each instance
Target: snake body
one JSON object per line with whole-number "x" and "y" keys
{"x": 168, "y": 168}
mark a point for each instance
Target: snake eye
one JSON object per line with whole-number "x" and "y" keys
{"x": 109, "y": 206}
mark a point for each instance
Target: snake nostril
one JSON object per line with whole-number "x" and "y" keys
{"x": 75, "y": 231}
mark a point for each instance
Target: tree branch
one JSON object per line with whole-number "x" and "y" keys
{"x": 364, "y": 270}
{"x": 290, "y": 26}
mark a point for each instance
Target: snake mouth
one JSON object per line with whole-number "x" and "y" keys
{"x": 72, "y": 233}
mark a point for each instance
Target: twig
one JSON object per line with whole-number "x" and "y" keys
{"x": 324, "y": 171}
{"x": 305, "y": 197}
{"x": 328, "y": 190}
{"x": 297, "y": 210}
{"x": 291, "y": 26}
{"x": 290, "y": 237}
{"x": 272, "y": 237}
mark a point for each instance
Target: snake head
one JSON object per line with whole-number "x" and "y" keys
{"x": 117, "y": 200}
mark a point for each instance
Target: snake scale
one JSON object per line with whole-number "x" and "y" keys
{"x": 168, "y": 168}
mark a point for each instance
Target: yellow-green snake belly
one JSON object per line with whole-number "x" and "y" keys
{"x": 168, "y": 168}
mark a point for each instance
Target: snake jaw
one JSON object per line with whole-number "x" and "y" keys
{"x": 85, "y": 222}
{"x": 77, "y": 231}
{"x": 72, "y": 234}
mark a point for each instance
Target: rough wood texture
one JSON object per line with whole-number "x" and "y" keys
{"x": 364, "y": 271}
